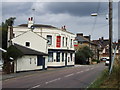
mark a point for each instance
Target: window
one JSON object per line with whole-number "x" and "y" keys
{"x": 66, "y": 41}
{"x": 58, "y": 57}
{"x": 71, "y": 43}
{"x": 35, "y": 60}
{"x": 27, "y": 44}
{"x": 30, "y": 60}
{"x": 71, "y": 56}
{"x": 66, "y": 56}
{"x": 68, "y": 59}
{"x": 50, "y": 57}
{"x": 49, "y": 38}
{"x": 62, "y": 57}
{"x": 63, "y": 41}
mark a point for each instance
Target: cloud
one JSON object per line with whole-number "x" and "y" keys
{"x": 75, "y": 8}
{"x": 75, "y": 15}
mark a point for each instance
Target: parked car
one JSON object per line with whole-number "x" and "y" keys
{"x": 107, "y": 62}
{"x": 103, "y": 59}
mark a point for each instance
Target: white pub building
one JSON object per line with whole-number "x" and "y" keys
{"x": 60, "y": 46}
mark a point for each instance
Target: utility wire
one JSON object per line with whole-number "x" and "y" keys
{"x": 95, "y": 18}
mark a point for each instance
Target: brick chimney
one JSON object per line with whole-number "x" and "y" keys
{"x": 102, "y": 38}
{"x": 30, "y": 22}
{"x": 87, "y": 37}
{"x": 119, "y": 41}
{"x": 79, "y": 34}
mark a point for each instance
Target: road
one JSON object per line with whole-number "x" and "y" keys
{"x": 72, "y": 77}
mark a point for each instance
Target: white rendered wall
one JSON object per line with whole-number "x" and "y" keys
{"x": 36, "y": 42}
{"x": 23, "y": 64}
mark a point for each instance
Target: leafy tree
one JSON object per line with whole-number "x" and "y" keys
{"x": 8, "y": 23}
{"x": 13, "y": 52}
{"x": 83, "y": 54}
{"x": 4, "y": 35}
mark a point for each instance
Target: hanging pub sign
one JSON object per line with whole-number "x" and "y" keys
{"x": 58, "y": 41}
{"x": 75, "y": 43}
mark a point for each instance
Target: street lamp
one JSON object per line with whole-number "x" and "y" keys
{"x": 94, "y": 14}
{"x": 110, "y": 31}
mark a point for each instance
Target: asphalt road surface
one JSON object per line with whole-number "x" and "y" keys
{"x": 71, "y": 77}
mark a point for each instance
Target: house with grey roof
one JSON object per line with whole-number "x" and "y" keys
{"x": 85, "y": 41}
{"x": 34, "y": 49}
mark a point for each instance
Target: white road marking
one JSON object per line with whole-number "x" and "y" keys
{"x": 69, "y": 75}
{"x": 36, "y": 86}
{"x": 53, "y": 80}
{"x": 78, "y": 72}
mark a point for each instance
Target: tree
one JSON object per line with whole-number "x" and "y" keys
{"x": 14, "y": 53}
{"x": 4, "y": 35}
{"x": 8, "y": 23}
{"x": 83, "y": 54}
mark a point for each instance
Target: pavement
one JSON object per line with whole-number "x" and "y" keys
{"x": 69, "y": 77}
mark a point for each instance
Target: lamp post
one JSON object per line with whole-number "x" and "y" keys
{"x": 110, "y": 31}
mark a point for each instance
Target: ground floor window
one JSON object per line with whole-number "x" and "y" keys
{"x": 50, "y": 57}
{"x": 66, "y": 56}
{"x": 62, "y": 57}
{"x": 58, "y": 57}
{"x": 68, "y": 59}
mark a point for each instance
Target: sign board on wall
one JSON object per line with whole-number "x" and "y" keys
{"x": 75, "y": 43}
{"x": 58, "y": 41}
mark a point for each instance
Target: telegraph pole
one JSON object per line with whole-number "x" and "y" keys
{"x": 110, "y": 33}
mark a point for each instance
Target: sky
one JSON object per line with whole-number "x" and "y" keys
{"x": 74, "y": 14}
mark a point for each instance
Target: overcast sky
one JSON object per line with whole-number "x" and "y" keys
{"x": 75, "y": 15}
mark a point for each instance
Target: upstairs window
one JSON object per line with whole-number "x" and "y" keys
{"x": 66, "y": 41}
{"x": 71, "y": 43}
{"x": 63, "y": 42}
{"x": 27, "y": 44}
{"x": 49, "y": 38}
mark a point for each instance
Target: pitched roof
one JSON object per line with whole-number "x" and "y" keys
{"x": 44, "y": 26}
{"x": 37, "y": 25}
{"x": 81, "y": 39}
{"x": 28, "y": 51}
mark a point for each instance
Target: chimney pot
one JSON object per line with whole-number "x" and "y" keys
{"x": 28, "y": 19}
{"x": 31, "y": 18}
{"x": 64, "y": 27}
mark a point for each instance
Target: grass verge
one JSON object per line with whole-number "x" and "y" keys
{"x": 111, "y": 81}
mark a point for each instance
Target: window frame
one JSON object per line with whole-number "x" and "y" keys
{"x": 50, "y": 39}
